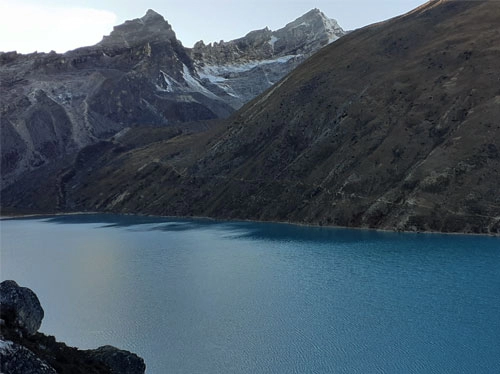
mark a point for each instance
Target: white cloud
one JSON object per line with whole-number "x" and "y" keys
{"x": 28, "y": 27}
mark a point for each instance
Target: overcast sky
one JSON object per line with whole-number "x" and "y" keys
{"x": 61, "y": 25}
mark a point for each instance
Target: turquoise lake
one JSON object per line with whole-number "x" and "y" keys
{"x": 200, "y": 296}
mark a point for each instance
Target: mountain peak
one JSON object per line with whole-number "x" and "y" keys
{"x": 152, "y": 16}
{"x": 152, "y": 27}
{"x": 314, "y": 14}
{"x": 314, "y": 25}
{"x": 314, "y": 11}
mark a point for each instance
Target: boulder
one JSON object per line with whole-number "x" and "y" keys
{"x": 20, "y": 307}
{"x": 119, "y": 361}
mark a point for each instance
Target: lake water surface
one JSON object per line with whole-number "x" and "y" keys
{"x": 198, "y": 296}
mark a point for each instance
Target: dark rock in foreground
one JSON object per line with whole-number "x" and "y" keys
{"x": 119, "y": 361}
{"x": 19, "y": 360}
{"x": 24, "y": 350}
{"x": 20, "y": 307}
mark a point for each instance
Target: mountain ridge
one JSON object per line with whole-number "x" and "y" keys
{"x": 54, "y": 104}
{"x": 262, "y": 57}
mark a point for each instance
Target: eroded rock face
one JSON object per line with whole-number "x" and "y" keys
{"x": 54, "y": 104}
{"x": 20, "y": 307}
{"x": 119, "y": 361}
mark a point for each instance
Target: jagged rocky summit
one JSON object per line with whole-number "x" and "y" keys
{"x": 53, "y": 104}
{"x": 245, "y": 67}
{"x": 24, "y": 350}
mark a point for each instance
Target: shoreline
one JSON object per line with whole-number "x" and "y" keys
{"x": 35, "y": 215}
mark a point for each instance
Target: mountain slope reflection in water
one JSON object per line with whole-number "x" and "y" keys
{"x": 200, "y": 296}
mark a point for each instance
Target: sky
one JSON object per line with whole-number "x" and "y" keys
{"x": 61, "y": 25}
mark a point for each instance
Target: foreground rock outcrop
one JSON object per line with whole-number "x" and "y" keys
{"x": 21, "y": 307}
{"x": 119, "y": 361}
{"x": 16, "y": 359}
{"x": 24, "y": 350}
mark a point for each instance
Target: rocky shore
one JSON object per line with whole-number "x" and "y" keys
{"x": 25, "y": 350}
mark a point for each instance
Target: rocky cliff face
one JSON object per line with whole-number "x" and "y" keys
{"x": 24, "y": 350}
{"x": 52, "y": 105}
{"x": 241, "y": 69}
{"x": 394, "y": 126}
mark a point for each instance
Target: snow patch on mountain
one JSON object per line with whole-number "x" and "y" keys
{"x": 168, "y": 83}
{"x": 223, "y": 76}
{"x": 273, "y": 41}
{"x": 220, "y": 73}
{"x": 194, "y": 84}
{"x": 190, "y": 84}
